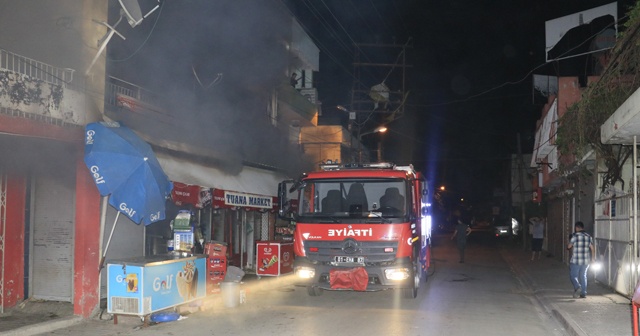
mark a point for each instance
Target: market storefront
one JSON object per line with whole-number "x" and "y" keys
{"x": 240, "y": 210}
{"x": 241, "y": 219}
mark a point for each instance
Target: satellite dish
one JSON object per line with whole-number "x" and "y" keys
{"x": 131, "y": 10}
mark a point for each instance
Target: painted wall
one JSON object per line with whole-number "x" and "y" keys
{"x": 87, "y": 244}
{"x": 14, "y": 241}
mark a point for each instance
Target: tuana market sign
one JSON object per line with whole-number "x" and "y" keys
{"x": 247, "y": 200}
{"x": 236, "y": 200}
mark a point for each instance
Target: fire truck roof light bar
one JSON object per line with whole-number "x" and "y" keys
{"x": 408, "y": 168}
{"x": 378, "y": 165}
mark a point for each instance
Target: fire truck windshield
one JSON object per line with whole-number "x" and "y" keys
{"x": 354, "y": 198}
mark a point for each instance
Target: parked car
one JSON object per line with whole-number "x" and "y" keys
{"x": 481, "y": 226}
{"x": 505, "y": 227}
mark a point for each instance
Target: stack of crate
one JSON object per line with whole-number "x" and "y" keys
{"x": 216, "y": 265}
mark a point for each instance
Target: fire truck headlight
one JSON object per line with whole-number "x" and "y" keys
{"x": 305, "y": 272}
{"x": 396, "y": 273}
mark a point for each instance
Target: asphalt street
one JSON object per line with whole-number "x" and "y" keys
{"x": 497, "y": 291}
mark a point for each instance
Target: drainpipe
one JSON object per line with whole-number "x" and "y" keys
{"x": 635, "y": 212}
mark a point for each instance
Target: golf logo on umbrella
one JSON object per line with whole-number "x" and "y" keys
{"x": 96, "y": 174}
{"x": 90, "y": 134}
{"x": 126, "y": 210}
{"x": 154, "y": 217}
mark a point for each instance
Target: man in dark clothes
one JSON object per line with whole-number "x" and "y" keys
{"x": 461, "y": 232}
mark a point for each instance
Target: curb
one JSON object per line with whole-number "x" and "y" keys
{"x": 568, "y": 323}
{"x": 44, "y": 327}
{"x": 570, "y": 326}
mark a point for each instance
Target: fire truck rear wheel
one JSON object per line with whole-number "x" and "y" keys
{"x": 314, "y": 291}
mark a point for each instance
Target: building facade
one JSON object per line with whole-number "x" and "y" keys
{"x": 57, "y": 67}
{"x": 50, "y": 209}
{"x": 595, "y": 183}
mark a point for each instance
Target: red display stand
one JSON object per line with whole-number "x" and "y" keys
{"x": 635, "y": 319}
{"x": 216, "y": 265}
{"x": 274, "y": 258}
{"x": 635, "y": 300}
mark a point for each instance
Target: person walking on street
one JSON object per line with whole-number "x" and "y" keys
{"x": 582, "y": 254}
{"x": 537, "y": 236}
{"x": 461, "y": 232}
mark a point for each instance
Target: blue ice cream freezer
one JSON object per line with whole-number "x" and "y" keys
{"x": 143, "y": 285}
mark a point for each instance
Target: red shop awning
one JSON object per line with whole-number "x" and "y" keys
{"x": 232, "y": 199}
{"x": 183, "y": 194}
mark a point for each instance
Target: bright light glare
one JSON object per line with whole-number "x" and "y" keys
{"x": 305, "y": 272}
{"x": 629, "y": 267}
{"x": 596, "y": 266}
{"x": 425, "y": 226}
{"x": 396, "y": 273}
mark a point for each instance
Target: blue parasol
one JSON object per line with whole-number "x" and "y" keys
{"x": 126, "y": 170}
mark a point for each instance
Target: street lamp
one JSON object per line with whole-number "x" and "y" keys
{"x": 352, "y": 115}
{"x": 379, "y": 129}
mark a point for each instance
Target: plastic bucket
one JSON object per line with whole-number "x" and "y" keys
{"x": 230, "y": 293}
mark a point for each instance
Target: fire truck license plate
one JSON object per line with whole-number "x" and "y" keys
{"x": 340, "y": 259}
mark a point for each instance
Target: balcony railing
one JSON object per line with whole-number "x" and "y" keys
{"x": 116, "y": 86}
{"x": 34, "y": 69}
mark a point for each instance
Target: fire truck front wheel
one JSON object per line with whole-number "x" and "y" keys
{"x": 412, "y": 292}
{"x": 314, "y": 291}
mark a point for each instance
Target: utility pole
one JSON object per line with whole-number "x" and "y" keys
{"x": 365, "y": 96}
{"x": 378, "y": 96}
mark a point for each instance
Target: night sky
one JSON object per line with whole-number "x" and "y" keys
{"x": 471, "y": 93}
{"x": 470, "y": 82}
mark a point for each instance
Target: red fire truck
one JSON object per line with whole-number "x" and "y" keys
{"x": 363, "y": 227}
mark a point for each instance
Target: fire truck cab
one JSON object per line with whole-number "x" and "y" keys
{"x": 363, "y": 227}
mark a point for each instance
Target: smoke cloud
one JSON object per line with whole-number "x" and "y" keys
{"x": 214, "y": 65}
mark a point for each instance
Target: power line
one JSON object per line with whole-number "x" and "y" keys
{"x": 313, "y": 10}
{"x": 380, "y": 16}
{"x": 322, "y": 47}
{"x": 541, "y": 65}
{"x": 145, "y": 40}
